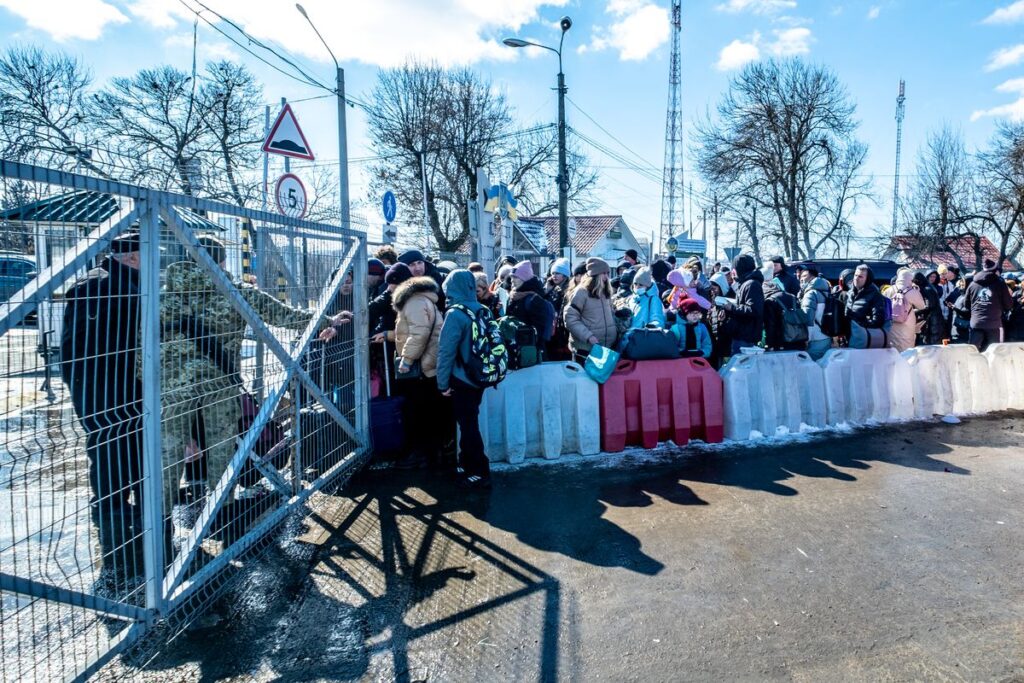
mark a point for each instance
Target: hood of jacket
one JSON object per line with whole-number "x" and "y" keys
{"x": 744, "y": 265}
{"x": 460, "y": 288}
{"x": 771, "y": 289}
{"x": 987, "y": 277}
{"x": 819, "y": 284}
{"x": 905, "y": 279}
{"x": 410, "y": 288}
{"x": 648, "y": 294}
{"x": 753, "y": 275}
{"x": 660, "y": 270}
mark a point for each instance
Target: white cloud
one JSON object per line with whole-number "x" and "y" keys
{"x": 640, "y": 27}
{"x": 787, "y": 42}
{"x": 382, "y": 32}
{"x": 874, "y": 12}
{"x": 208, "y": 50}
{"x": 737, "y": 53}
{"x": 1010, "y": 14}
{"x": 1013, "y": 111}
{"x": 81, "y": 19}
{"x": 756, "y": 6}
{"x": 1004, "y": 57}
{"x": 791, "y": 41}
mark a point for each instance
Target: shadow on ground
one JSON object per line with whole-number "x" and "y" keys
{"x": 395, "y": 557}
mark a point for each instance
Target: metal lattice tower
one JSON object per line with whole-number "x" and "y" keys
{"x": 672, "y": 219}
{"x": 900, "y": 106}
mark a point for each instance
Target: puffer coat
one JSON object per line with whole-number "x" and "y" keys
{"x": 418, "y": 325}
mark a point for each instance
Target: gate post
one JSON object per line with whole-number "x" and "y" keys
{"x": 360, "y": 318}
{"x": 152, "y": 462}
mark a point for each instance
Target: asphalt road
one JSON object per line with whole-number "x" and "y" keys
{"x": 886, "y": 554}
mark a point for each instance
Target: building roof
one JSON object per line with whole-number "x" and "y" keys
{"x": 83, "y": 206}
{"x": 589, "y": 230}
{"x": 963, "y": 246}
{"x": 90, "y": 207}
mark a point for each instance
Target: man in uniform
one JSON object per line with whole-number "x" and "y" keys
{"x": 199, "y": 361}
{"x": 98, "y": 354}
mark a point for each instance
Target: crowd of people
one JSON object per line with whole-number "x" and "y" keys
{"x": 440, "y": 335}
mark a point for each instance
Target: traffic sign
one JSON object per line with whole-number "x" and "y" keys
{"x": 671, "y": 244}
{"x": 291, "y": 196}
{"x": 286, "y": 137}
{"x": 389, "y": 234}
{"x": 390, "y": 206}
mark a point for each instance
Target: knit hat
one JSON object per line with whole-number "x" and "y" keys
{"x": 125, "y": 243}
{"x": 778, "y": 259}
{"x": 481, "y": 279}
{"x": 504, "y": 271}
{"x": 625, "y": 281}
{"x": 660, "y": 270}
{"x": 722, "y": 281}
{"x": 744, "y": 265}
{"x": 475, "y": 267}
{"x": 561, "y": 266}
{"x": 643, "y": 277}
{"x": 688, "y": 306}
{"x": 411, "y": 256}
{"x": 631, "y": 253}
{"x": 375, "y": 267}
{"x": 397, "y": 274}
{"x": 597, "y": 266}
{"x": 523, "y": 271}
{"x": 693, "y": 262}
{"x": 580, "y": 270}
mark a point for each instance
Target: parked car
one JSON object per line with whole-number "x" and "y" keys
{"x": 16, "y": 271}
{"x": 830, "y": 269}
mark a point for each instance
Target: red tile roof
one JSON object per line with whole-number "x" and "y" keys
{"x": 589, "y": 230}
{"x": 963, "y": 246}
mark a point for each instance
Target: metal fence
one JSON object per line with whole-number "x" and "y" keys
{"x": 166, "y": 403}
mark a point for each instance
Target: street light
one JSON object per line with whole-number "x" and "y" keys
{"x": 342, "y": 134}
{"x": 563, "y": 176}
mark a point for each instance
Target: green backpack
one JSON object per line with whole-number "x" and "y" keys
{"x": 521, "y": 342}
{"x": 488, "y": 360}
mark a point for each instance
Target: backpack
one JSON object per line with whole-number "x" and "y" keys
{"x": 488, "y": 359}
{"x": 831, "y": 316}
{"x": 898, "y": 308}
{"x": 794, "y": 322}
{"x": 520, "y": 341}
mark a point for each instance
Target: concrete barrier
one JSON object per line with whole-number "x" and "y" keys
{"x": 951, "y": 380}
{"x": 867, "y": 385}
{"x": 541, "y": 412}
{"x": 1006, "y": 365}
{"x": 771, "y": 393}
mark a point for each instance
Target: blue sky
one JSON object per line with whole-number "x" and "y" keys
{"x": 963, "y": 61}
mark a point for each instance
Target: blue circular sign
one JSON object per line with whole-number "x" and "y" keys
{"x": 390, "y": 206}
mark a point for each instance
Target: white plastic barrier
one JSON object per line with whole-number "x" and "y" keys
{"x": 772, "y": 393}
{"x": 864, "y": 385}
{"x": 950, "y": 380}
{"x": 1006, "y": 364}
{"x": 541, "y": 412}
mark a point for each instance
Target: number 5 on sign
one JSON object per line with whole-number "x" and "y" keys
{"x": 291, "y": 196}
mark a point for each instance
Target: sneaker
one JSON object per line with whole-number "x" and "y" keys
{"x": 412, "y": 462}
{"x": 475, "y": 482}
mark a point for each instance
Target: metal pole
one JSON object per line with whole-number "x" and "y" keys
{"x": 716, "y": 226}
{"x": 293, "y": 256}
{"x": 361, "y": 361}
{"x": 342, "y": 151}
{"x": 423, "y": 176}
{"x": 152, "y": 460}
{"x": 563, "y": 178}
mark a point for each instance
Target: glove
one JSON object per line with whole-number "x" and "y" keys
{"x": 721, "y": 301}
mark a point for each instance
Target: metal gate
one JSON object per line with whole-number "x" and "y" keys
{"x": 161, "y": 414}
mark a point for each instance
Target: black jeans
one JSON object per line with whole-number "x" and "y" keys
{"x": 466, "y": 405}
{"x": 420, "y": 414}
{"x": 982, "y": 338}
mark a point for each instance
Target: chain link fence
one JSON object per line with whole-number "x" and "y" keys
{"x": 177, "y": 378}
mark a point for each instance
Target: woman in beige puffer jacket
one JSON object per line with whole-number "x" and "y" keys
{"x": 418, "y": 325}
{"x": 588, "y": 314}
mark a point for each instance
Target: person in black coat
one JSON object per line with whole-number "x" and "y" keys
{"x": 527, "y": 302}
{"x": 790, "y": 282}
{"x": 98, "y": 355}
{"x": 989, "y": 301}
{"x": 746, "y": 312}
{"x": 934, "y": 314}
{"x": 776, "y": 302}
{"x": 867, "y": 311}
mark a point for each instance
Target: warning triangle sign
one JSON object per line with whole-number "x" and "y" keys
{"x": 286, "y": 137}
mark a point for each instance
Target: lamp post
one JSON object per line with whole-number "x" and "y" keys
{"x": 342, "y": 132}
{"x": 563, "y": 176}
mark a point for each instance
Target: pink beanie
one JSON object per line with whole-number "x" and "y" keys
{"x": 523, "y": 271}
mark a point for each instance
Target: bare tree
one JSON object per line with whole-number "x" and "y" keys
{"x": 43, "y": 110}
{"x": 783, "y": 140}
{"x": 1001, "y": 188}
{"x": 434, "y": 127}
{"x": 231, "y": 100}
{"x": 159, "y": 125}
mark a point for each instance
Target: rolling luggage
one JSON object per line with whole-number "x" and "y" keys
{"x": 386, "y": 427}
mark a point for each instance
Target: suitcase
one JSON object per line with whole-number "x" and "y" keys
{"x": 387, "y": 430}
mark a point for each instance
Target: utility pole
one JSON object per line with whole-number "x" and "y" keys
{"x": 716, "y": 226}
{"x": 900, "y": 107}
{"x": 423, "y": 176}
{"x": 689, "y": 209}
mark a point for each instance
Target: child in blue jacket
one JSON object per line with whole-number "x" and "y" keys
{"x": 694, "y": 338}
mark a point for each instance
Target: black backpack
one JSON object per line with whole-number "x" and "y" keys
{"x": 794, "y": 322}
{"x": 831, "y": 316}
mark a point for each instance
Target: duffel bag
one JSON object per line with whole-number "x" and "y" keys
{"x": 649, "y": 343}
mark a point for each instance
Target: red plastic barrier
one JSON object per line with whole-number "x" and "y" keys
{"x": 648, "y": 401}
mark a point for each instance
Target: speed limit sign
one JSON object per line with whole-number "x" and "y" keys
{"x": 291, "y": 196}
